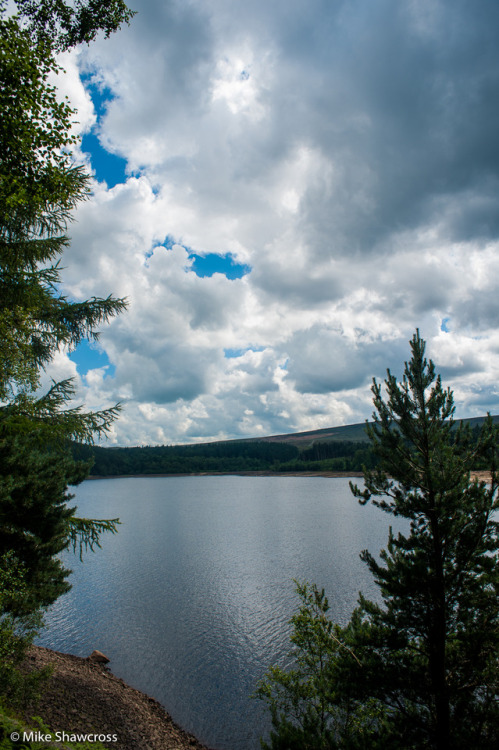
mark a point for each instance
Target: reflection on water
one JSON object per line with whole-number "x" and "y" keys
{"x": 192, "y": 598}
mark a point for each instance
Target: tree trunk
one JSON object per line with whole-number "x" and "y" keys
{"x": 437, "y": 656}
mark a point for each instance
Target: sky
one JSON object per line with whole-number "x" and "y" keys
{"x": 284, "y": 191}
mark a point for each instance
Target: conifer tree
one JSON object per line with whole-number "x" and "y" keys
{"x": 39, "y": 188}
{"x": 424, "y": 660}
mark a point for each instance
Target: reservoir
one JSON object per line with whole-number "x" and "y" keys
{"x": 191, "y": 600}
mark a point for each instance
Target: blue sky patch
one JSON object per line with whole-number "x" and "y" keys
{"x": 108, "y": 167}
{"x": 233, "y": 353}
{"x": 444, "y": 325}
{"x": 170, "y": 241}
{"x": 87, "y": 357}
{"x": 100, "y": 95}
{"x": 207, "y": 265}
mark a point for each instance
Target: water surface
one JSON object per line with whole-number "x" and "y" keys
{"x": 191, "y": 600}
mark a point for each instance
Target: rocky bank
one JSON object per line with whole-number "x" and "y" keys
{"x": 83, "y": 696}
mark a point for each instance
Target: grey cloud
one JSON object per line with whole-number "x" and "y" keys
{"x": 427, "y": 121}
{"x": 230, "y": 418}
{"x": 394, "y": 105}
{"x": 482, "y": 399}
{"x": 471, "y": 214}
{"x": 296, "y": 286}
{"x": 179, "y": 373}
{"x": 251, "y": 377}
{"x": 210, "y": 308}
{"x": 469, "y": 365}
{"x": 413, "y": 284}
{"x": 322, "y": 361}
{"x": 479, "y": 311}
{"x": 325, "y": 361}
{"x": 404, "y": 118}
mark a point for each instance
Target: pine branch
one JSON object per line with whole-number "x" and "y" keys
{"x": 85, "y": 533}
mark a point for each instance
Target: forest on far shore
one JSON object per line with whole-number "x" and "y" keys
{"x": 232, "y": 456}
{"x": 226, "y": 457}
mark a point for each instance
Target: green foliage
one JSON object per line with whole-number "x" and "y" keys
{"x": 17, "y": 630}
{"x": 65, "y": 25}
{"x": 227, "y": 456}
{"x": 39, "y": 187}
{"x": 35, "y": 166}
{"x": 308, "y": 710}
{"x": 20, "y": 688}
{"x": 34, "y": 515}
{"x": 85, "y": 533}
{"x": 440, "y": 584}
{"x": 240, "y": 455}
{"x": 36, "y": 520}
{"x": 418, "y": 669}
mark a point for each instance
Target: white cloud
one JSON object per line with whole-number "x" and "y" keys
{"x": 235, "y": 83}
{"x": 70, "y": 87}
{"x": 348, "y": 153}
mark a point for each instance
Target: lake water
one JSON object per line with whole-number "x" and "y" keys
{"x": 191, "y": 600}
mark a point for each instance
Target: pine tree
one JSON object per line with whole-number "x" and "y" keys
{"x": 425, "y": 659}
{"x": 39, "y": 188}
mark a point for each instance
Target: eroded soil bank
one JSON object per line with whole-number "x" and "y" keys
{"x": 85, "y": 697}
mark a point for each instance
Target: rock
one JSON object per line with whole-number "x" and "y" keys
{"x": 99, "y": 657}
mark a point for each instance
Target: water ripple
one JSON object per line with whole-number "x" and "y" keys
{"x": 192, "y": 599}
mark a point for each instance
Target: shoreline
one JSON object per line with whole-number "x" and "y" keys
{"x": 262, "y": 473}
{"x": 84, "y": 696}
{"x": 481, "y": 475}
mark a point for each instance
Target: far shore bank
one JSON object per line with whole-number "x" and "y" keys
{"x": 482, "y": 476}
{"x": 326, "y": 474}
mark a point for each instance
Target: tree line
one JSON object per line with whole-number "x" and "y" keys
{"x": 227, "y": 456}
{"x": 240, "y": 455}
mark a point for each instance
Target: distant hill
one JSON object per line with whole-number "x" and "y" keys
{"x": 351, "y": 432}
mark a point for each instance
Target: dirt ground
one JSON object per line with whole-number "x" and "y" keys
{"x": 85, "y": 697}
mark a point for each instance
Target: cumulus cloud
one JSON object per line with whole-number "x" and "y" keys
{"x": 346, "y": 153}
